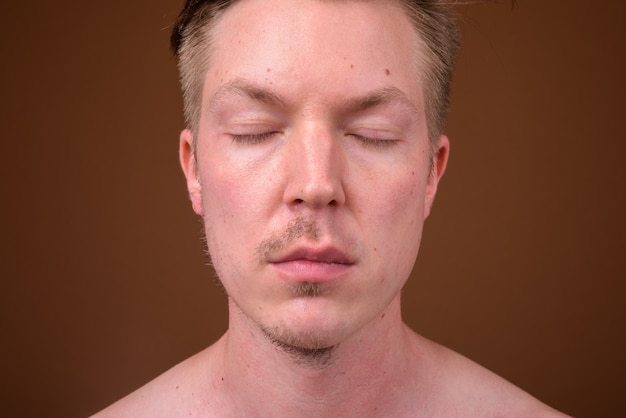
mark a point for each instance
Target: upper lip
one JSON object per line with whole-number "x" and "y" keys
{"x": 321, "y": 255}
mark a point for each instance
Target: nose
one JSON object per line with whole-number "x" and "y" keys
{"x": 315, "y": 166}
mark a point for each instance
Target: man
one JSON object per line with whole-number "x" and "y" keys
{"x": 313, "y": 153}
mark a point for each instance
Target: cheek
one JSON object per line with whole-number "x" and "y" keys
{"x": 225, "y": 200}
{"x": 222, "y": 201}
{"x": 236, "y": 200}
{"x": 401, "y": 197}
{"x": 226, "y": 205}
{"x": 398, "y": 219}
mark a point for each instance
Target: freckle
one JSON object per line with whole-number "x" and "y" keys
{"x": 351, "y": 65}
{"x": 176, "y": 387}
{"x": 387, "y": 72}
{"x": 269, "y": 69}
{"x": 412, "y": 173}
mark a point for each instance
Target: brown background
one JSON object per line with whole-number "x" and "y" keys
{"x": 103, "y": 279}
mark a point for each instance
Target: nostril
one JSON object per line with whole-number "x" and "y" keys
{"x": 298, "y": 202}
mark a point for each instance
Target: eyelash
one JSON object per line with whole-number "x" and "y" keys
{"x": 371, "y": 142}
{"x": 252, "y": 138}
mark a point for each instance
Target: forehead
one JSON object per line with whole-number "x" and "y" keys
{"x": 316, "y": 45}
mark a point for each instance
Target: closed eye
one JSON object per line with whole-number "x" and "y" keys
{"x": 373, "y": 142}
{"x": 252, "y": 138}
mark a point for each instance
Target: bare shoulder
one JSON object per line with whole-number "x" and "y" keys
{"x": 180, "y": 391}
{"x": 464, "y": 388}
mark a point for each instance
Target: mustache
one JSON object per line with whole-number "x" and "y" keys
{"x": 296, "y": 228}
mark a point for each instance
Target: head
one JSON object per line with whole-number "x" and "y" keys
{"x": 433, "y": 20}
{"x": 311, "y": 157}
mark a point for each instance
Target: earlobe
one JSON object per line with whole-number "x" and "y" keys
{"x": 440, "y": 160}
{"x": 188, "y": 164}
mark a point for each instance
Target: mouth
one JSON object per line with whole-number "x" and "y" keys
{"x": 313, "y": 265}
{"x": 329, "y": 255}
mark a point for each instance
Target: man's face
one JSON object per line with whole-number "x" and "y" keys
{"x": 313, "y": 174}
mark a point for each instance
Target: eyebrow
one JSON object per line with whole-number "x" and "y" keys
{"x": 375, "y": 98}
{"x": 242, "y": 87}
{"x": 245, "y": 88}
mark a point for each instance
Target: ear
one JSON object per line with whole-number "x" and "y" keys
{"x": 187, "y": 157}
{"x": 441, "y": 151}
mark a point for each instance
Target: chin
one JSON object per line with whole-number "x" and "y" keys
{"x": 313, "y": 332}
{"x": 311, "y": 339}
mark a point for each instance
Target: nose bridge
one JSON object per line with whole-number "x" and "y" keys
{"x": 315, "y": 173}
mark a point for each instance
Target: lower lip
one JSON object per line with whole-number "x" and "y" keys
{"x": 311, "y": 271}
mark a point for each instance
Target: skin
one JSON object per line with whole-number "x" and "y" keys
{"x": 314, "y": 167}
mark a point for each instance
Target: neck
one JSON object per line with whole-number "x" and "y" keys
{"x": 363, "y": 372}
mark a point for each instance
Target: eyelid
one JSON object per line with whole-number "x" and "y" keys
{"x": 249, "y": 126}
{"x": 251, "y": 132}
{"x": 373, "y": 142}
{"x": 374, "y": 137}
{"x": 252, "y": 138}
